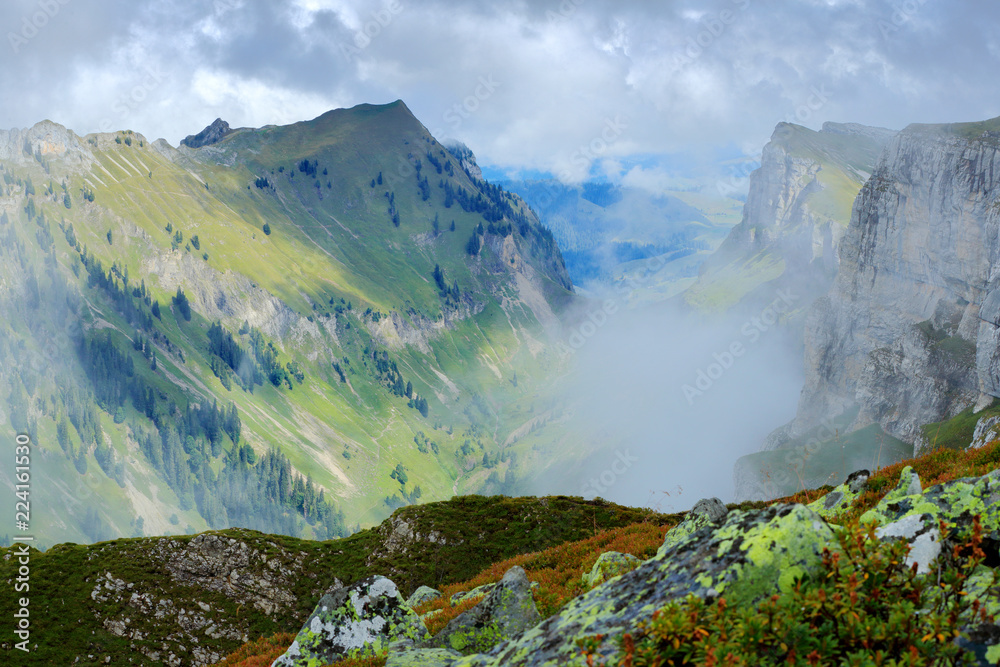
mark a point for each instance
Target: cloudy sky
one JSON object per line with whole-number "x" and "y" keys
{"x": 554, "y": 85}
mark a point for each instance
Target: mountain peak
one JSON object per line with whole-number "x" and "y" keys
{"x": 214, "y": 133}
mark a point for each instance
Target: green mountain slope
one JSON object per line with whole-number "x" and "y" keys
{"x": 293, "y": 328}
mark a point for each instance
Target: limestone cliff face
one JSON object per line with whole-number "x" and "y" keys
{"x": 797, "y": 209}
{"x": 777, "y": 207}
{"x": 910, "y": 331}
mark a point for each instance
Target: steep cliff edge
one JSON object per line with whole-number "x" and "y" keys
{"x": 796, "y": 212}
{"x": 910, "y": 332}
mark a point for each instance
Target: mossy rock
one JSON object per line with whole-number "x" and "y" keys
{"x": 746, "y": 558}
{"x": 885, "y": 512}
{"x": 507, "y": 611}
{"x": 956, "y": 502}
{"x": 360, "y": 620}
{"x": 840, "y": 499}
{"x": 422, "y": 595}
{"x": 422, "y": 657}
{"x": 914, "y": 515}
{"x": 477, "y": 592}
{"x": 609, "y": 565}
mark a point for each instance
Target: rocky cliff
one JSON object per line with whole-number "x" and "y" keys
{"x": 796, "y": 212}
{"x": 910, "y": 332}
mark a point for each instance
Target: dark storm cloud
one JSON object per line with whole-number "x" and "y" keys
{"x": 554, "y": 85}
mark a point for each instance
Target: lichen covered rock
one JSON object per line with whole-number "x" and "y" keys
{"x": 748, "y": 556}
{"x": 508, "y": 610}
{"x": 422, "y": 657}
{"x": 956, "y": 502}
{"x": 913, "y": 515}
{"x": 359, "y": 620}
{"x": 477, "y": 592}
{"x": 921, "y": 533}
{"x": 841, "y": 498}
{"x": 422, "y": 595}
{"x": 609, "y": 565}
{"x": 712, "y": 509}
{"x": 706, "y": 512}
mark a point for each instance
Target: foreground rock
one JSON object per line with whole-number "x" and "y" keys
{"x": 743, "y": 556}
{"x": 477, "y": 592}
{"x": 507, "y": 611}
{"x": 422, "y": 657}
{"x": 910, "y": 513}
{"x": 608, "y": 566}
{"x": 422, "y": 595}
{"x": 705, "y": 514}
{"x": 359, "y": 620}
{"x": 748, "y": 556}
{"x": 841, "y": 498}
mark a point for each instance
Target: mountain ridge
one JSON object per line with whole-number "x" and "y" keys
{"x": 346, "y": 291}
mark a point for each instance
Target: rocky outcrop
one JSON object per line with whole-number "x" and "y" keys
{"x": 180, "y": 609}
{"x": 466, "y": 158}
{"x": 796, "y": 212}
{"x": 507, "y": 611}
{"x": 357, "y": 621}
{"x": 910, "y": 332}
{"x": 422, "y": 595}
{"x": 748, "y": 555}
{"x": 987, "y": 430}
{"x": 609, "y": 565}
{"x": 840, "y": 499}
{"x": 212, "y": 134}
{"x": 236, "y": 569}
{"x": 43, "y": 142}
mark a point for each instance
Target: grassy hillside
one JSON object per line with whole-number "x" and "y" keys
{"x": 296, "y": 329}
{"x": 213, "y": 592}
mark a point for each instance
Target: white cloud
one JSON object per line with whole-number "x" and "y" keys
{"x": 685, "y": 78}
